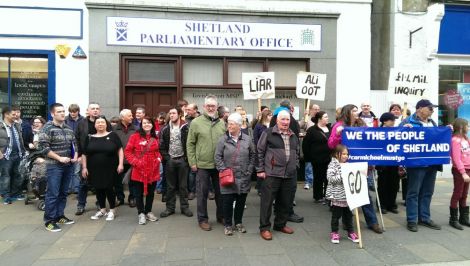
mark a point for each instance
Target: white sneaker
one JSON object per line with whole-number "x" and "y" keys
{"x": 110, "y": 216}
{"x": 98, "y": 215}
{"x": 151, "y": 217}
{"x": 307, "y": 186}
{"x": 142, "y": 220}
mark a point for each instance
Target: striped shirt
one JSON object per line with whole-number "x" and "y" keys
{"x": 57, "y": 138}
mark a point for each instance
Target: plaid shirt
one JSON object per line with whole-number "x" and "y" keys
{"x": 285, "y": 137}
{"x": 16, "y": 138}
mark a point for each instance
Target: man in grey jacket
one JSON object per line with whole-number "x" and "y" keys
{"x": 278, "y": 158}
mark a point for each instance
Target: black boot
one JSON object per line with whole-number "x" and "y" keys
{"x": 463, "y": 219}
{"x": 454, "y": 218}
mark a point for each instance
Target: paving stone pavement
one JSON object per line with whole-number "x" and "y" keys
{"x": 177, "y": 240}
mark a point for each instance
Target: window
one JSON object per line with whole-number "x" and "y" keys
{"x": 152, "y": 71}
{"x": 285, "y": 72}
{"x": 449, "y": 77}
{"x": 236, "y": 68}
{"x": 202, "y": 71}
{"x": 24, "y": 82}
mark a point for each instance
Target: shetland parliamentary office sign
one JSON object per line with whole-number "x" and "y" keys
{"x": 212, "y": 34}
{"x": 418, "y": 146}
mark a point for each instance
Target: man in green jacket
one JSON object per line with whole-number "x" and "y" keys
{"x": 203, "y": 136}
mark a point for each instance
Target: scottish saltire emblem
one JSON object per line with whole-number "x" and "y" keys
{"x": 307, "y": 37}
{"x": 121, "y": 31}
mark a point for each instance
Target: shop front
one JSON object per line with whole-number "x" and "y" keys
{"x": 43, "y": 58}
{"x": 454, "y": 64}
{"x": 152, "y": 55}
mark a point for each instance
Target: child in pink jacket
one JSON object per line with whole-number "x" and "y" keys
{"x": 460, "y": 154}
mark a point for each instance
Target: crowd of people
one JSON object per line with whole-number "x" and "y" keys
{"x": 182, "y": 154}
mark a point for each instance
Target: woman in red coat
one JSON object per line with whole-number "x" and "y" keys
{"x": 142, "y": 152}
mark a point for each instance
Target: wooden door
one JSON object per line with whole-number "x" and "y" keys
{"x": 154, "y": 100}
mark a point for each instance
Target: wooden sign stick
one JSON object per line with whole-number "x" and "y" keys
{"x": 307, "y": 108}
{"x": 358, "y": 227}
{"x": 405, "y": 110}
{"x": 259, "y": 104}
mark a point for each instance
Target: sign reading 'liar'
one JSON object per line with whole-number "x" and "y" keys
{"x": 355, "y": 184}
{"x": 408, "y": 85}
{"x": 258, "y": 85}
{"x": 311, "y": 86}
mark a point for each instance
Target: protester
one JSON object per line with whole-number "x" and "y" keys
{"x": 84, "y": 128}
{"x": 142, "y": 152}
{"x": 235, "y": 150}
{"x": 12, "y": 151}
{"x": 204, "y": 133}
{"x": 258, "y": 117}
{"x": 421, "y": 179}
{"x": 317, "y": 152}
{"x": 388, "y": 181}
{"x": 60, "y": 157}
{"x": 313, "y": 110}
{"x": 38, "y": 124}
{"x": 139, "y": 115}
{"x": 102, "y": 161}
{"x": 349, "y": 117}
{"x": 173, "y": 150}
{"x": 124, "y": 129}
{"x": 72, "y": 120}
{"x": 26, "y": 129}
{"x": 396, "y": 110}
{"x": 278, "y": 158}
{"x": 367, "y": 115}
{"x": 294, "y": 126}
{"x": 245, "y": 128}
{"x": 223, "y": 113}
{"x": 261, "y": 126}
{"x": 191, "y": 113}
{"x": 336, "y": 194}
{"x": 74, "y": 116}
{"x": 460, "y": 171}
{"x": 114, "y": 121}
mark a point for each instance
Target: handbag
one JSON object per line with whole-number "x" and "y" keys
{"x": 127, "y": 177}
{"x": 226, "y": 177}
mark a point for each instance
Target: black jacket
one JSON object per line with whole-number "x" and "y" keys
{"x": 272, "y": 155}
{"x": 165, "y": 140}
{"x": 315, "y": 145}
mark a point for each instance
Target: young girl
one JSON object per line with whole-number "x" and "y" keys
{"x": 336, "y": 194}
{"x": 460, "y": 170}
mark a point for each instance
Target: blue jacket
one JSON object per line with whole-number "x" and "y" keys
{"x": 415, "y": 122}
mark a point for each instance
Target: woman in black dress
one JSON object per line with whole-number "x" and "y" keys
{"x": 317, "y": 152}
{"x": 102, "y": 161}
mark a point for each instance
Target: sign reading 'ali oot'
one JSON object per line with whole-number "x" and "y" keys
{"x": 212, "y": 34}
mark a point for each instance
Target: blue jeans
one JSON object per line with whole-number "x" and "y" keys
{"x": 191, "y": 181}
{"x": 369, "y": 213}
{"x": 10, "y": 178}
{"x": 161, "y": 185}
{"x": 82, "y": 191}
{"x": 421, "y": 181}
{"x": 75, "y": 179}
{"x": 58, "y": 181}
{"x": 308, "y": 173}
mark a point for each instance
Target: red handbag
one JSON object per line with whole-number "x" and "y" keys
{"x": 226, "y": 177}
